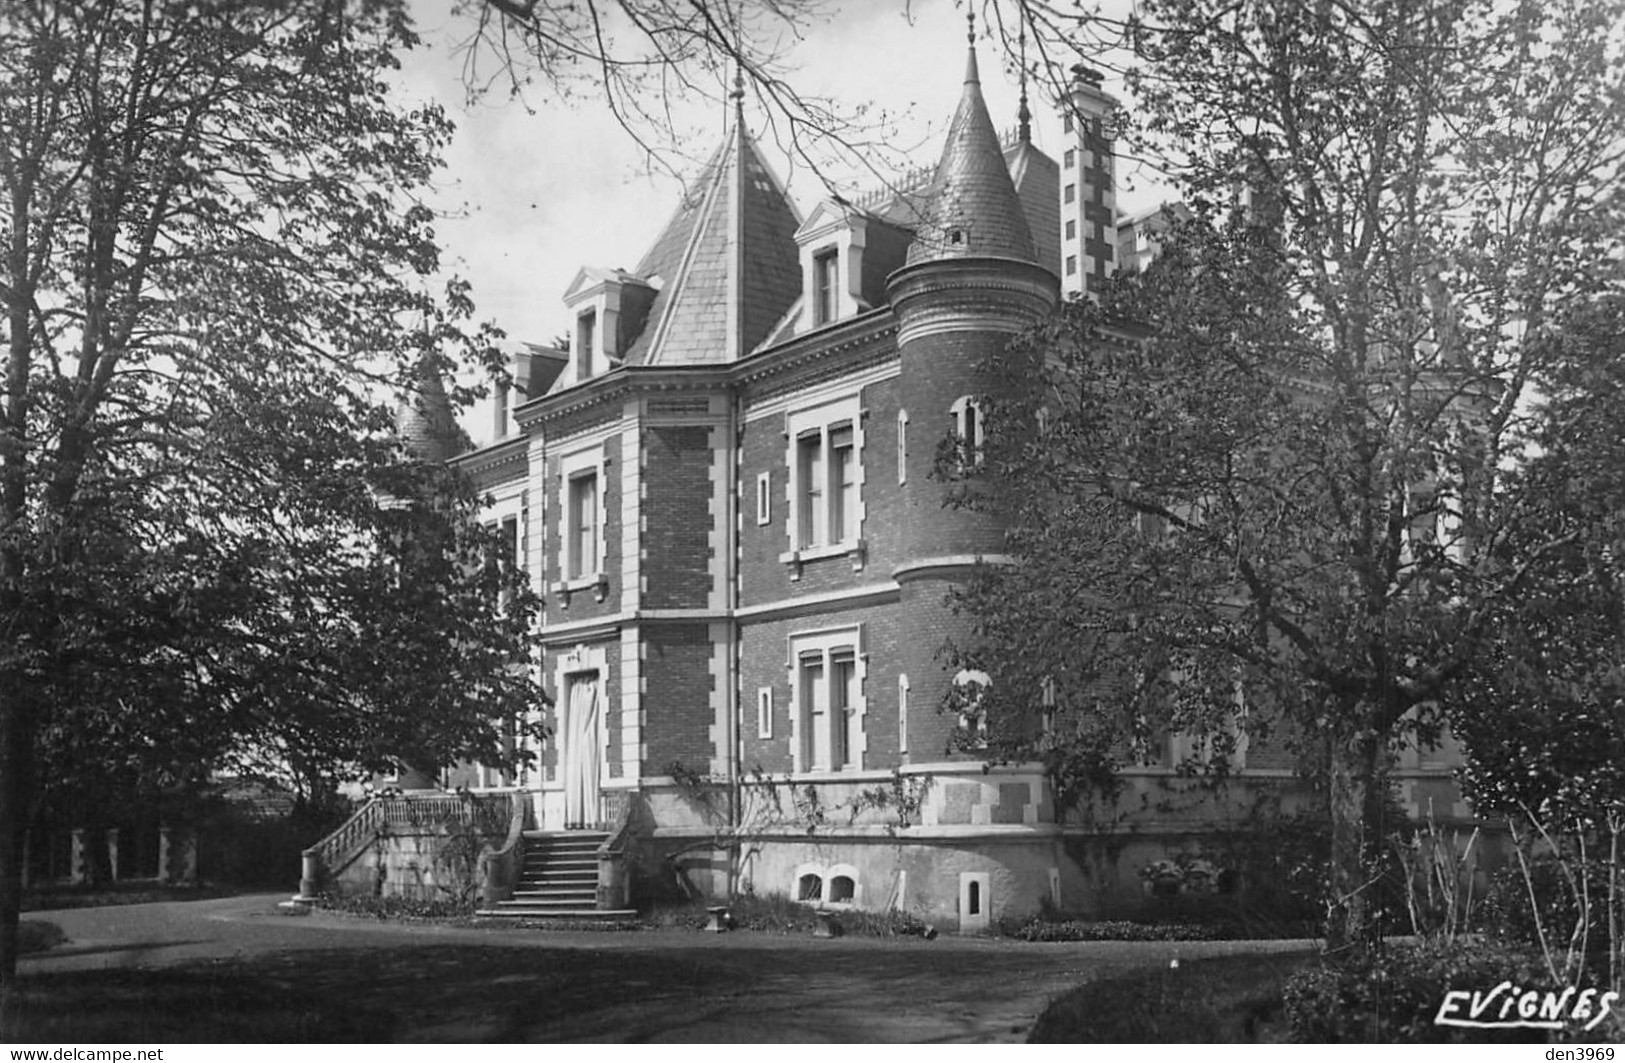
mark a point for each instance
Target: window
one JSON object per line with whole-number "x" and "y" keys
{"x": 902, "y": 714}
{"x": 1071, "y": 264}
{"x": 764, "y": 498}
{"x": 843, "y": 484}
{"x": 1069, "y": 158}
{"x": 512, "y": 544}
{"x": 502, "y": 421}
{"x": 825, "y": 467}
{"x": 582, "y": 531}
{"x": 1069, "y": 193}
{"x": 902, "y": 446}
{"x": 826, "y": 672}
{"x": 967, "y": 415}
{"x": 764, "y": 712}
{"x": 969, "y": 691}
{"x": 1066, "y": 123}
{"x": 1071, "y": 229}
{"x": 586, "y": 336}
{"x": 826, "y": 278}
{"x": 1225, "y": 743}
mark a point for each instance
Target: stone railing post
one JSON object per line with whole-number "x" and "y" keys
{"x": 78, "y": 872}
{"x": 310, "y": 875}
{"x": 112, "y": 852}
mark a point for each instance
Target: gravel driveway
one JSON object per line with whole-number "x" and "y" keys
{"x": 436, "y": 983}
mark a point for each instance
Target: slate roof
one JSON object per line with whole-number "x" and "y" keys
{"x": 426, "y": 423}
{"x": 727, "y": 263}
{"x": 972, "y": 210}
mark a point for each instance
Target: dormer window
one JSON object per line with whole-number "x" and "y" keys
{"x": 610, "y": 308}
{"x": 826, "y": 279}
{"x": 832, "y": 243}
{"x": 586, "y": 336}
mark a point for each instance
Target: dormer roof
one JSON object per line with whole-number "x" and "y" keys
{"x": 589, "y": 277}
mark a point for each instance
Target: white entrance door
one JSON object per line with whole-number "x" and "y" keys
{"x": 582, "y": 751}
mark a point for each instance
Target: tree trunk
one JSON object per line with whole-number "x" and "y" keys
{"x": 1355, "y": 790}
{"x": 16, "y": 764}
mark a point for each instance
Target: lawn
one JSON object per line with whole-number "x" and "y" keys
{"x": 1230, "y": 999}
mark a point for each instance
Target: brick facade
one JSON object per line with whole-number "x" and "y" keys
{"x": 770, "y": 604}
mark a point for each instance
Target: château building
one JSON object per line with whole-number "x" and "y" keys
{"x": 722, "y": 491}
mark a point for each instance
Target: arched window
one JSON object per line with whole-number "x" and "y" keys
{"x": 969, "y": 693}
{"x": 902, "y": 446}
{"x": 968, "y": 428}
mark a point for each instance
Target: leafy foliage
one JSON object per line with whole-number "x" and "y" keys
{"x": 1394, "y": 995}
{"x": 216, "y": 280}
{"x": 1270, "y": 486}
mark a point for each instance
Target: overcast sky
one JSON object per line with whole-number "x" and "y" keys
{"x": 531, "y": 195}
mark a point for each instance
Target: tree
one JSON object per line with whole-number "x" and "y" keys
{"x": 214, "y": 278}
{"x": 1279, "y": 461}
{"x": 1542, "y": 711}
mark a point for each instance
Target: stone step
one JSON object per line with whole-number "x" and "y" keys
{"x": 584, "y": 865}
{"x": 558, "y": 878}
{"x": 592, "y": 915}
{"x": 549, "y": 901}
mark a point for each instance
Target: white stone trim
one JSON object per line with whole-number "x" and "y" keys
{"x": 902, "y": 713}
{"x": 798, "y": 424}
{"x": 824, "y": 643}
{"x": 631, "y": 541}
{"x": 851, "y": 597}
{"x": 846, "y": 386}
{"x": 631, "y": 697}
{"x": 902, "y": 446}
{"x": 721, "y": 729}
{"x": 764, "y": 712}
{"x": 572, "y": 466}
{"x": 720, "y": 508}
{"x": 764, "y": 497}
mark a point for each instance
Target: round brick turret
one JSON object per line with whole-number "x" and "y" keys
{"x": 972, "y": 281}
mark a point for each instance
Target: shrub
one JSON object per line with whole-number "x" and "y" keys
{"x": 36, "y": 935}
{"x": 1038, "y": 928}
{"x": 1509, "y": 915}
{"x": 775, "y": 913}
{"x": 1393, "y": 995}
{"x": 397, "y": 907}
{"x": 1224, "y": 1000}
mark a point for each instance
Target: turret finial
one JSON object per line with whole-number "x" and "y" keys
{"x": 1024, "y": 115}
{"x": 972, "y": 75}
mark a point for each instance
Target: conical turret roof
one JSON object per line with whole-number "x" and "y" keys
{"x": 425, "y": 422}
{"x": 972, "y": 210}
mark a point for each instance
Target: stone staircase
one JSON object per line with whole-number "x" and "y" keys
{"x": 559, "y": 879}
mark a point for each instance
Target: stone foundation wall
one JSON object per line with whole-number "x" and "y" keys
{"x": 431, "y": 863}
